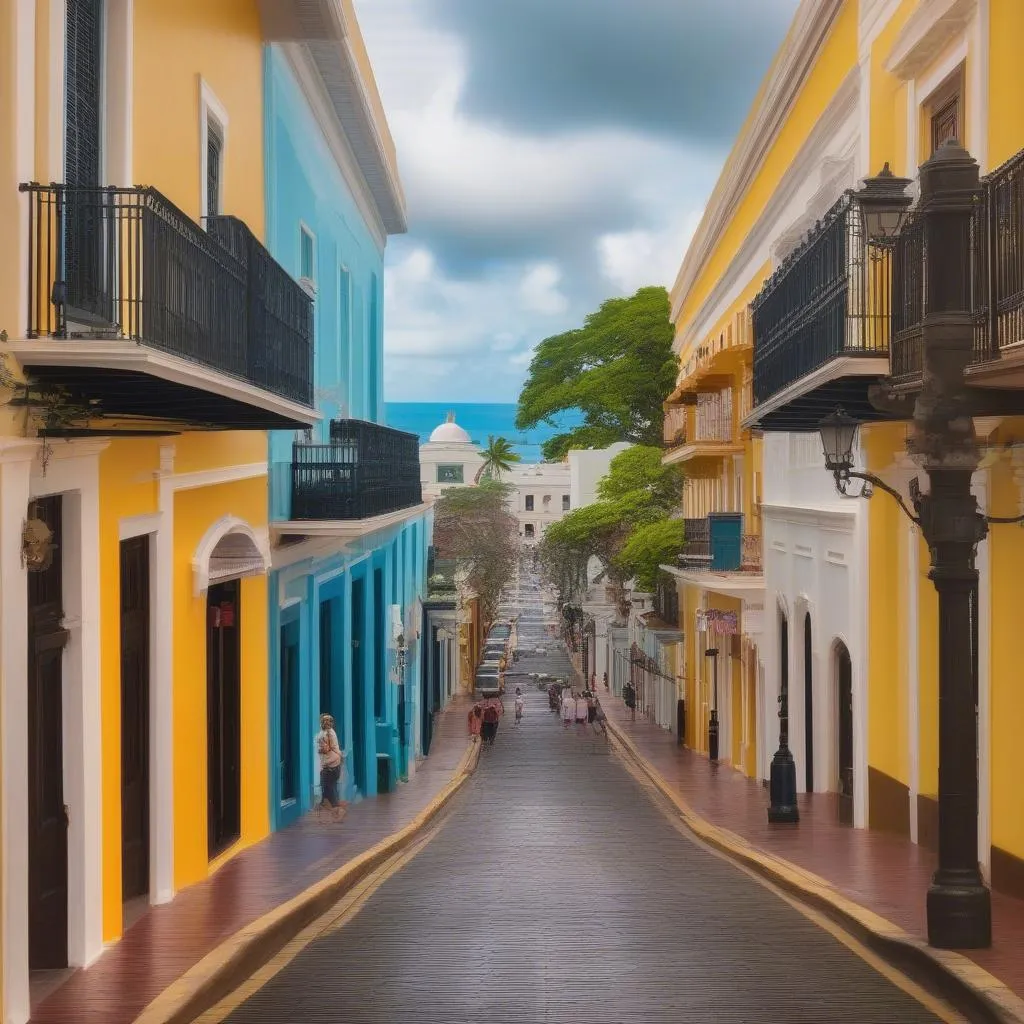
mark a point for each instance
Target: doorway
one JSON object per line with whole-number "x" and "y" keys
{"x": 135, "y": 630}
{"x": 47, "y": 812}
{"x": 844, "y": 683}
{"x": 223, "y": 715}
{"x": 327, "y": 666}
{"x": 358, "y": 686}
{"x": 808, "y": 706}
{"x": 288, "y": 712}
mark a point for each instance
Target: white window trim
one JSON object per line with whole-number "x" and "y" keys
{"x": 210, "y": 109}
{"x": 308, "y": 283}
{"x": 345, "y": 332}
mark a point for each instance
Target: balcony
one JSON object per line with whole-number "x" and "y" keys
{"x": 718, "y": 555}
{"x": 997, "y": 297}
{"x": 365, "y": 471}
{"x": 712, "y": 436}
{"x": 821, "y": 327}
{"x": 136, "y": 310}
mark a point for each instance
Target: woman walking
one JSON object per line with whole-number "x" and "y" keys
{"x": 331, "y": 757}
{"x": 568, "y": 708}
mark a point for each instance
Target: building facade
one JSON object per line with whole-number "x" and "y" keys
{"x": 849, "y": 625}
{"x": 134, "y": 542}
{"x": 350, "y": 531}
{"x": 449, "y": 459}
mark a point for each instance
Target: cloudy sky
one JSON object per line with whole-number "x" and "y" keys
{"x": 554, "y": 153}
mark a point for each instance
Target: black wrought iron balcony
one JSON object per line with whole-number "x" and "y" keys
{"x": 696, "y": 553}
{"x": 366, "y": 470}
{"x": 137, "y": 307}
{"x": 821, "y": 325}
{"x": 997, "y": 255}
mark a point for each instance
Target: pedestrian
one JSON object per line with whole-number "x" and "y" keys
{"x": 331, "y": 757}
{"x": 605, "y": 674}
{"x": 490, "y": 724}
{"x": 568, "y": 708}
{"x": 520, "y": 702}
{"x": 581, "y": 710}
{"x": 599, "y": 719}
{"x": 475, "y": 720}
{"x": 591, "y": 707}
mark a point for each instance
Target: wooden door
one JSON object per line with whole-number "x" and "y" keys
{"x": 223, "y": 715}
{"x": 47, "y": 813}
{"x": 289, "y": 711}
{"x": 808, "y": 706}
{"x": 134, "y": 717}
{"x": 844, "y": 680}
{"x": 359, "y": 737}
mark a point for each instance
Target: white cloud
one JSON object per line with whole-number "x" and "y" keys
{"x": 539, "y": 292}
{"x": 632, "y": 259}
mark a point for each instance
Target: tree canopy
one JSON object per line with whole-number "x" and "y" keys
{"x": 629, "y": 529}
{"x": 616, "y": 370}
{"x": 473, "y": 526}
{"x": 499, "y": 456}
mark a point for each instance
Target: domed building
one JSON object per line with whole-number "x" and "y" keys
{"x": 448, "y": 459}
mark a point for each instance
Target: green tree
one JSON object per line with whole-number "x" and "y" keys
{"x": 499, "y": 457}
{"x": 638, "y": 472}
{"x": 616, "y": 370}
{"x": 649, "y": 546}
{"x": 473, "y": 526}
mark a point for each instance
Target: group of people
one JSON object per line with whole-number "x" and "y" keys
{"x": 584, "y": 709}
{"x": 484, "y": 716}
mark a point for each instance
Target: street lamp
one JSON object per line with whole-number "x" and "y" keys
{"x": 884, "y": 203}
{"x": 712, "y": 652}
{"x": 943, "y": 443}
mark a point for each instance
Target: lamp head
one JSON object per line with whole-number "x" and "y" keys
{"x": 884, "y": 203}
{"x": 838, "y": 434}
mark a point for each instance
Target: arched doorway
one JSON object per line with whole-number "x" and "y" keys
{"x": 808, "y": 707}
{"x": 844, "y": 705}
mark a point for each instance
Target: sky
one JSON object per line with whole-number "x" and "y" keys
{"x": 554, "y": 154}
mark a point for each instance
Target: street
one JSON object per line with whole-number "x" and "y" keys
{"x": 556, "y": 890}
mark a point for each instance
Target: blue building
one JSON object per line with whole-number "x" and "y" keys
{"x": 350, "y": 531}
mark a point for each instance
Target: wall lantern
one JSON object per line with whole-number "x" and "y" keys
{"x": 884, "y": 204}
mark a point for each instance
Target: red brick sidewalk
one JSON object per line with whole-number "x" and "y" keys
{"x": 884, "y": 873}
{"x": 170, "y": 939}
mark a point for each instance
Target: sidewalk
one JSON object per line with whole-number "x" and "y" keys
{"x": 882, "y": 873}
{"x": 168, "y": 940}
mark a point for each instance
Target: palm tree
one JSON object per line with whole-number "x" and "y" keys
{"x": 499, "y": 456}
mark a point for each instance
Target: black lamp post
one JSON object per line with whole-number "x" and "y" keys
{"x": 712, "y": 653}
{"x": 782, "y": 785}
{"x": 943, "y": 443}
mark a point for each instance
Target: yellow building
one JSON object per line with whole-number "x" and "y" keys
{"x": 850, "y": 618}
{"x": 719, "y": 582}
{"x": 160, "y": 342}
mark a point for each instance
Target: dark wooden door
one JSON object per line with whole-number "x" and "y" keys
{"x": 359, "y": 738}
{"x": 808, "y": 706}
{"x": 134, "y": 717}
{"x": 844, "y": 681}
{"x": 47, "y": 814}
{"x": 223, "y": 715}
{"x": 327, "y": 664}
{"x": 289, "y": 711}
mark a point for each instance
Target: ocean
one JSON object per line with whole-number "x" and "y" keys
{"x": 479, "y": 420}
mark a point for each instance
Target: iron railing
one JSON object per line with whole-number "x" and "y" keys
{"x": 127, "y": 263}
{"x": 696, "y": 553}
{"x": 700, "y": 554}
{"x": 994, "y": 240}
{"x": 365, "y": 470}
{"x": 830, "y": 298}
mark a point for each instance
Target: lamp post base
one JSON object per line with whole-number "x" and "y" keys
{"x": 713, "y": 736}
{"x": 783, "y": 807}
{"x": 959, "y": 912}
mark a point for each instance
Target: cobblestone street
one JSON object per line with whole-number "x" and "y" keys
{"x": 557, "y": 890}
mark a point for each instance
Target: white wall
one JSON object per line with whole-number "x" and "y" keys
{"x": 539, "y": 480}
{"x": 447, "y": 453}
{"x": 586, "y": 468}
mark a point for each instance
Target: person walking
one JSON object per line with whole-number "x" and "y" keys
{"x": 476, "y": 720}
{"x": 520, "y": 702}
{"x": 331, "y": 757}
{"x": 568, "y": 708}
{"x": 490, "y": 727}
{"x": 581, "y": 711}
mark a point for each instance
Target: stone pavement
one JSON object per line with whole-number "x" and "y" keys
{"x": 556, "y": 890}
{"x": 168, "y": 940}
{"x": 884, "y": 873}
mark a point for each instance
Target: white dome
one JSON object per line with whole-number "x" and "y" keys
{"x": 448, "y": 433}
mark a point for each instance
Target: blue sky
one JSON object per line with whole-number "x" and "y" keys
{"x": 554, "y": 153}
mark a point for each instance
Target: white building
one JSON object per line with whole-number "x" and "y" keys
{"x": 448, "y": 459}
{"x": 541, "y": 496}
{"x": 586, "y": 468}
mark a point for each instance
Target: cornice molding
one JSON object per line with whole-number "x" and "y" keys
{"x": 802, "y": 515}
{"x": 842, "y": 107}
{"x": 811, "y": 25}
{"x": 933, "y": 25}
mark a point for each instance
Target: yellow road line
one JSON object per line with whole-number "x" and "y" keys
{"x": 334, "y": 919}
{"x": 942, "y": 1010}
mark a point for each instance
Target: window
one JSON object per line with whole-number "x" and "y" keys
{"x": 213, "y": 138}
{"x": 307, "y": 265}
{"x": 529, "y": 506}
{"x": 450, "y": 474}
{"x": 528, "y": 530}
{"x": 565, "y": 502}
{"x": 344, "y": 330}
{"x": 546, "y": 499}
{"x": 944, "y": 110}
{"x": 214, "y": 167}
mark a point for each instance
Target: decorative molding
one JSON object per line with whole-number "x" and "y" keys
{"x": 214, "y": 477}
{"x": 932, "y": 26}
{"x": 257, "y": 551}
{"x": 839, "y": 110}
{"x": 874, "y": 16}
{"x": 796, "y": 59}
{"x": 139, "y": 526}
{"x": 801, "y": 515}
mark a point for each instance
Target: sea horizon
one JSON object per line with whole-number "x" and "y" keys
{"x": 480, "y": 420}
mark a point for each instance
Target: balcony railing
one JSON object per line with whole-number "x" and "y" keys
{"x": 127, "y": 263}
{"x": 674, "y": 427}
{"x": 717, "y": 544}
{"x": 829, "y": 299}
{"x": 366, "y": 470}
{"x": 713, "y": 416}
{"x": 996, "y": 246}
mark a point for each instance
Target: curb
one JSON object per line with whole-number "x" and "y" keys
{"x": 970, "y": 988}
{"x": 204, "y": 984}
